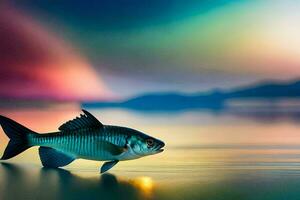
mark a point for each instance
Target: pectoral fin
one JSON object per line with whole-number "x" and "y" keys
{"x": 112, "y": 148}
{"x": 108, "y": 165}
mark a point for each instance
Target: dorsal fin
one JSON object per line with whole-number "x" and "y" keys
{"x": 86, "y": 120}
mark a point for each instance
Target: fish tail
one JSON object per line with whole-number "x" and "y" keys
{"x": 18, "y": 135}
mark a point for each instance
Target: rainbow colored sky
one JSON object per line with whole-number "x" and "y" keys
{"x": 82, "y": 50}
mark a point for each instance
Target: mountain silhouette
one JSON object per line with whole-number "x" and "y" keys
{"x": 215, "y": 99}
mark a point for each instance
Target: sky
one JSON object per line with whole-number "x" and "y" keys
{"x": 103, "y": 50}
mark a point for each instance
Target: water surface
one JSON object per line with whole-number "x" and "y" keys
{"x": 207, "y": 156}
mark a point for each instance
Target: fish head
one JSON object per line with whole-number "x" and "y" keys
{"x": 144, "y": 145}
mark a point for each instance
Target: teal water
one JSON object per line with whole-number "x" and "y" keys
{"x": 207, "y": 156}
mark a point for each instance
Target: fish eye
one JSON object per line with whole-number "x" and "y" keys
{"x": 150, "y": 143}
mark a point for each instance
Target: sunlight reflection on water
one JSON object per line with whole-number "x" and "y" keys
{"x": 207, "y": 156}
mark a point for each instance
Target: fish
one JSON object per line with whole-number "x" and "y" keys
{"x": 84, "y": 137}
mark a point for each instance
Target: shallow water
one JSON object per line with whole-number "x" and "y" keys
{"x": 207, "y": 156}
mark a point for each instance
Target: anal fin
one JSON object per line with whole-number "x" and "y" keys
{"x": 108, "y": 165}
{"x": 53, "y": 158}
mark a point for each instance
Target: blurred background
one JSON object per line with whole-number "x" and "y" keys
{"x": 218, "y": 81}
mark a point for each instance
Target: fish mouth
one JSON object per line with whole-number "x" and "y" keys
{"x": 159, "y": 148}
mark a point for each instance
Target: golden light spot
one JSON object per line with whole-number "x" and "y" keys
{"x": 145, "y": 184}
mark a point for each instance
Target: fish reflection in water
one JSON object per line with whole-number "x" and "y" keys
{"x": 22, "y": 183}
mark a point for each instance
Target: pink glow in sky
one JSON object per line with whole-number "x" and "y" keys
{"x": 37, "y": 64}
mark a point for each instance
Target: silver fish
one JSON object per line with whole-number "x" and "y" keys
{"x": 83, "y": 137}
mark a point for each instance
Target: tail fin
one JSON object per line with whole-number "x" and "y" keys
{"x": 18, "y": 137}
